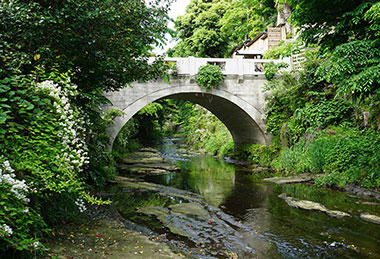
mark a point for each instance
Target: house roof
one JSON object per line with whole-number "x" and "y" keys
{"x": 248, "y": 43}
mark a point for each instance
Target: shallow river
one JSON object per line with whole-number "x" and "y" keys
{"x": 248, "y": 214}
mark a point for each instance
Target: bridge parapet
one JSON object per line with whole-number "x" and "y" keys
{"x": 229, "y": 66}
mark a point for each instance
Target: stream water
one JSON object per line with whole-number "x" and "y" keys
{"x": 230, "y": 211}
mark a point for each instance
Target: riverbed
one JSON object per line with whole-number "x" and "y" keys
{"x": 213, "y": 209}
{"x": 171, "y": 202}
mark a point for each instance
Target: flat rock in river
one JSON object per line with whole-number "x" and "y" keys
{"x": 143, "y": 170}
{"x": 371, "y": 218}
{"x": 143, "y": 156}
{"x": 149, "y": 150}
{"x": 147, "y": 169}
{"x": 162, "y": 190}
{"x": 302, "y": 178}
{"x": 310, "y": 205}
{"x": 161, "y": 166}
{"x": 162, "y": 215}
{"x": 142, "y": 160}
{"x": 189, "y": 208}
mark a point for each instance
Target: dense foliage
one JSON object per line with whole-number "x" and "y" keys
{"x": 199, "y": 30}
{"x": 209, "y": 77}
{"x": 204, "y": 131}
{"x": 98, "y": 40}
{"x": 332, "y": 23}
{"x": 210, "y": 28}
{"x": 325, "y": 118}
{"x": 245, "y": 19}
{"x": 43, "y": 153}
{"x": 348, "y": 34}
{"x": 56, "y": 60}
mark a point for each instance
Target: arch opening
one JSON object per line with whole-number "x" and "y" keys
{"x": 243, "y": 120}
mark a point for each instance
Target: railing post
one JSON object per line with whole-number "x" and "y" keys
{"x": 192, "y": 69}
{"x": 240, "y": 68}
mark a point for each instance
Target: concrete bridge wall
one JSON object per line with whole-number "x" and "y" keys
{"x": 238, "y": 103}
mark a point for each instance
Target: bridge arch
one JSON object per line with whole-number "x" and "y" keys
{"x": 243, "y": 119}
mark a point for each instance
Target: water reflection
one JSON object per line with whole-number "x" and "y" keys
{"x": 206, "y": 177}
{"x": 285, "y": 232}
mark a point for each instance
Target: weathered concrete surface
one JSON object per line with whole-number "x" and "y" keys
{"x": 314, "y": 206}
{"x": 238, "y": 103}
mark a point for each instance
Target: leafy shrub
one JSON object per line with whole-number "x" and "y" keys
{"x": 254, "y": 153}
{"x": 351, "y": 157}
{"x": 293, "y": 160}
{"x": 209, "y": 77}
{"x": 227, "y": 149}
{"x": 21, "y": 227}
{"x": 271, "y": 69}
{"x": 318, "y": 116}
{"x": 43, "y": 153}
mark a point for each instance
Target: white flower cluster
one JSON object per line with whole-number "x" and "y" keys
{"x": 72, "y": 123}
{"x": 80, "y": 203}
{"x": 36, "y": 244}
{"x": 5, "y": 230}
{"x": 19, "y": 188}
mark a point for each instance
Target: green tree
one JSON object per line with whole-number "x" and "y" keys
{"x": 331, "y": 23}
{"x": 199, "y": 30}
{"x": 348, "y": 32}
{"x": 56, "y": 60}
{"x": 105, "y": 42}
{"x": 236, "y": 25}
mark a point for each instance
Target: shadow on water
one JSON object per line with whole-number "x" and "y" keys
{"x": 264, "y": 221}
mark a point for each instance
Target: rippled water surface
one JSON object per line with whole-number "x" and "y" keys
{"x": 267, "y": 226}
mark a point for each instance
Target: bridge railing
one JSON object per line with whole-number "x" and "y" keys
{"x": 229, "y": 66}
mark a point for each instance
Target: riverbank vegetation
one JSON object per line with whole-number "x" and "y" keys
{"x": 325, "y": 117}
{"x": 56, "y": 60}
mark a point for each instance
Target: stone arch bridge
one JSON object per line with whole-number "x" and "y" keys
{"x": 238, "y": 102}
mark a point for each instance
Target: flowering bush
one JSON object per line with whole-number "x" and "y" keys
{"x": 19, "y": 223}
{"x": 70, "y": 132}
{"x": 43, "y": 152}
